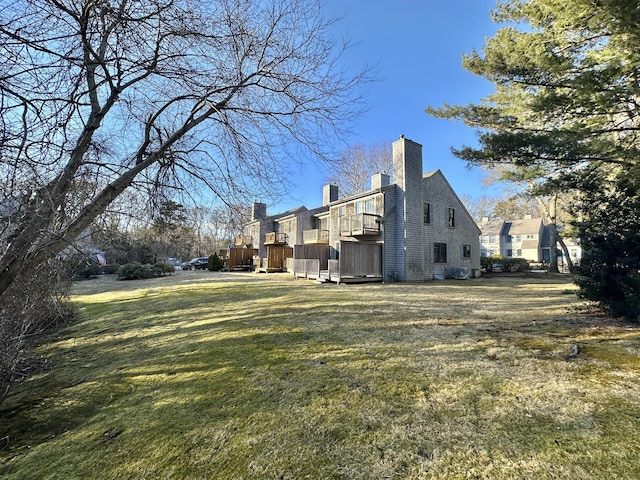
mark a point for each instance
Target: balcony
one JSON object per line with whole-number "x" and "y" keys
{"x": 359, "y": 225}
{"x": 316, "y": 236}
{"x": 244, "y": 241}
{"x": 275, "y": 238}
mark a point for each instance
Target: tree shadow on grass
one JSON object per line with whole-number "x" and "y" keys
{"x": 265, "y": 381}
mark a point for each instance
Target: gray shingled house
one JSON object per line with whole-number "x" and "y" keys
{"x": 412, "y": 229}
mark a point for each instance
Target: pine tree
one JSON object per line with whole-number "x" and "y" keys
{"x": 566, "y": 112}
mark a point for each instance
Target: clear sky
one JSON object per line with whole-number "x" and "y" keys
{"x": 417, "y": 48}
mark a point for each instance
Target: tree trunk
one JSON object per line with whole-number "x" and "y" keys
{"x": 563, "y": 247}
{"x": 549, "y": 213}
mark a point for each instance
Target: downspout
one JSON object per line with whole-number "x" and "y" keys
{"x": 384, "y": 240}
{"x": 382, "y": 220}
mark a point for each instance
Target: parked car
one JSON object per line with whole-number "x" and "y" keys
{"x": 200, "y": 263}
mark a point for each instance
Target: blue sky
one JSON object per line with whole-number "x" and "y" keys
{"x": 417, "y": 47}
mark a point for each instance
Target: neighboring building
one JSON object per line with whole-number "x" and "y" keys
{"x": 274, "y": 236}
{"x": 490, "y": 238}
{"x": 411, "y": 230}
{"x": 528, "y": 238}
{"x": 524, "y": 239}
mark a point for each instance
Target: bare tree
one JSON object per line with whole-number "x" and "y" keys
{"x": 352, "y": 172}
{"x": 215, "y": 227}
{"x": 97, "y": 97}
{"x": 516, "y": 207}
{"x": 479, "y": 207}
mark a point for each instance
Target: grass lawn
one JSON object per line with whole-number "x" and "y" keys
{"x": 242, "y": 376}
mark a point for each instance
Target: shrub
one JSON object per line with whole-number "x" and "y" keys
{"x": 36, "y": 302}
{"x": 486, "y": 264}
{"x": 504, "y": 264}
{"x": 515, "y": 265}
{"x": 610, "y": 274}
{"x": 137, "y": 271}
{"x": 134, "y": 271}
{"x": 215, "y": 264}
{"x": 160, "y": 269}
{"x": 110, "y": 269}
{"x": 81, "y": 266}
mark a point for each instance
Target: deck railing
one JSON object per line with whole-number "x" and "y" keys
{"x": 306, "y": 267}
{"x": 275, "y": 238}
{"x": 243, "y": 240}
{"x": 359, "y": 224}
{"x": 317, "y": 236}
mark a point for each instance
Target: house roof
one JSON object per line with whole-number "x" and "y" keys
{"x": 530, "y": 245}
{"x": 572, "y": 242}
{"x": 290, "y": 213}
{"x": 319, "y": 210}
{"x": 356, "y": 196}
{"x": 521, "y": 227}
{"x": 491, "y": 227}
{"x": 280, "y": 216}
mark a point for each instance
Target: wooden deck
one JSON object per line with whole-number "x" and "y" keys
{"x": 306, "y": 268}
{"x": 240, "y": 258}
{"x": 275, "y": 238}
{"x": 275, "y": 261}
{"x": 359, "y": 263}
{"x": 359, "y": 225}
{"x": 315, "y": 237}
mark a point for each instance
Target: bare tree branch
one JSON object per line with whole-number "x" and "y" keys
{"x": 96, "y": 97}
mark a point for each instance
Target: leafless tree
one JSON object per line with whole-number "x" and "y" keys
{"x": 516, "y": 207}
{"x": 357, "y": 163}
{"x": 103, "y": 97}
{"x": 479, "y": 207}
{"x": 215, "y": 227}
{"x": 97, "y": 97}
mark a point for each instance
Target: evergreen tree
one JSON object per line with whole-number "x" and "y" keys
{"x": 566, "y": 112}
{"x": 215, "y": 264}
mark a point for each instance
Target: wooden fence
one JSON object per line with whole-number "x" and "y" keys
{"x": 240, "y": 258}
{"x": 360, "y": 259}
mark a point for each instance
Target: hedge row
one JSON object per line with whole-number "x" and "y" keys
{"x": 504, "y": 264}
{"x": 137, "y": 271}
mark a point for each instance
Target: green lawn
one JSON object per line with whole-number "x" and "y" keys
{"x": 243, "y": 376}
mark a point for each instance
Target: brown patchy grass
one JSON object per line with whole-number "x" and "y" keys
{"x": 243, "y": 376}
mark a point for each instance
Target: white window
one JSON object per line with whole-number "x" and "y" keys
{"x": 370, "y": 206}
